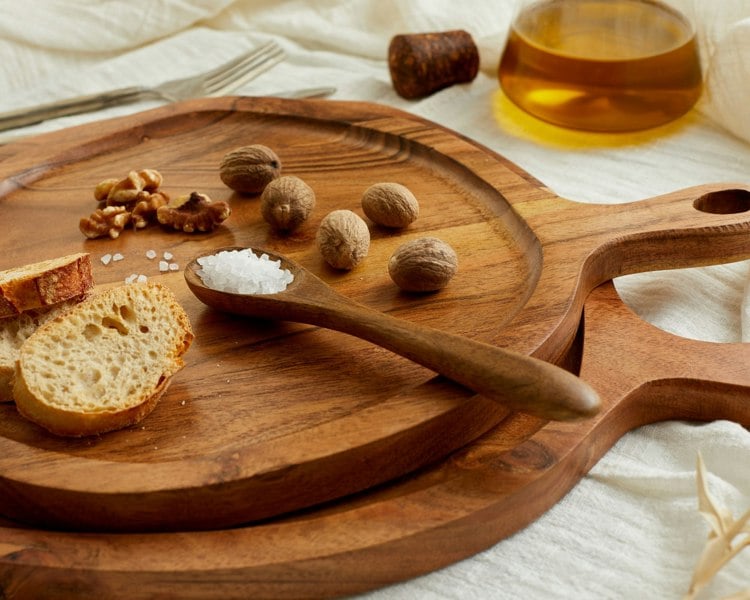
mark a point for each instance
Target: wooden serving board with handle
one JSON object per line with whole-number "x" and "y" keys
{"x": 438, "y": 515}
{"x": 269, "y": 418}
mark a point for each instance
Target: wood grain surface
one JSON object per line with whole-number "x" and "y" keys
{"x": 438, "y": 515}
{"x": 269, "y": 418}
{"x": 517, "y": 381}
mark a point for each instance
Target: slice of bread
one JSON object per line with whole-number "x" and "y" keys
{"x": 14, "y": 331}
{"x": 44, "y": 284}
{"x": 103, "y": 364}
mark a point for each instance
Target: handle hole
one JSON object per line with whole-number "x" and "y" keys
{"x": 724, "y": 202}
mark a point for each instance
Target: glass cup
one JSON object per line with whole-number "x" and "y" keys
{"x": 601, "y": 65}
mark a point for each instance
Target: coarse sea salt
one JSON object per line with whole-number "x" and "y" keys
{"x": 136, "y": 278}
{"x": 243, "y": 272}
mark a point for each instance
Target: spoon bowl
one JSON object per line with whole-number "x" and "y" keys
{"x": 517, "y": 381}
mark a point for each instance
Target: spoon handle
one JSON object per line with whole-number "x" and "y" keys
{"x": 515, "y": 380}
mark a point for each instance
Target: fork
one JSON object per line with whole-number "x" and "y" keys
{"x": 219, "y": 81}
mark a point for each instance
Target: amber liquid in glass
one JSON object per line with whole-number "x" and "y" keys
{"x": 602, "y": 65}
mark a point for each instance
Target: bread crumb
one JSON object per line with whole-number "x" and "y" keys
{"x": 136, "y": 278}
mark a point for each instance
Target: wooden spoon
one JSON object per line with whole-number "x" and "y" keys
{"x": 515, "y": 380}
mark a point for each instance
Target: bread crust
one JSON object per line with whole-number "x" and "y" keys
{"x": 45, "y": 283}
{"x": 69, "y": 423}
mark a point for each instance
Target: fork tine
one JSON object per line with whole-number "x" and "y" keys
{"x": 260, "y": 51}
{"x": 242, "y": 69}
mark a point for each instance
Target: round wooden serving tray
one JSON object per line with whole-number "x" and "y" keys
{"x": 269, "y": 418}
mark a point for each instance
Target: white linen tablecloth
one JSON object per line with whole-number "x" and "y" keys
{"x": 631, "y": 528}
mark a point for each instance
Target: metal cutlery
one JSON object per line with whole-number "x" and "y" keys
{"x": 219, "y": 81}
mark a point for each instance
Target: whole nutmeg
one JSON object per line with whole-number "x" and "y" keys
{"x": 390, "y": 205}
{"x": 249, "y": 169}
{"x": 423, "y": 265}
{"x": 343, "y": 239}
{"x": 286, "y": 203}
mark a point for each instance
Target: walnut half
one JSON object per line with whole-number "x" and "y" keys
{"x": 137, "y": 186}
{"x": 145, "y": 210}
{"x": 193, "y": 212}
{"x": 110, "y": 220}
{"x": 132, "y": 200}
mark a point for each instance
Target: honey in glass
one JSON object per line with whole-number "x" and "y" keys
{"x": 601, "y": 65}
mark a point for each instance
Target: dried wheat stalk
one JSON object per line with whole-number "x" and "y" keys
{"x": 725, "y": 540}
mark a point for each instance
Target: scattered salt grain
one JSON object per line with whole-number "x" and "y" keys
{"x": 106, "y": 259}
{"x": 151, "y": 254}
{"x": 168, "y": 256}
{"x": 117, "y": 256}
{"x": 174, "y": 267}
{"x": 163, "y": 266}
{"x": 142, "y": 279}
{"x": 243, "y": 272}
